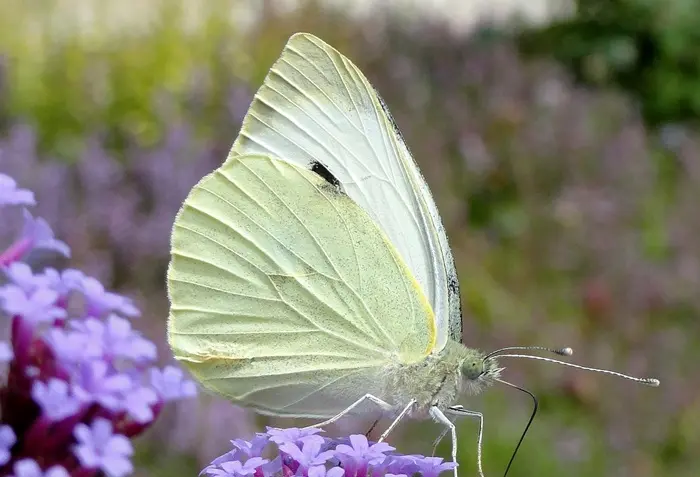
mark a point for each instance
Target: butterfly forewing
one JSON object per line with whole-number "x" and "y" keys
{"x": 316, "y": 107}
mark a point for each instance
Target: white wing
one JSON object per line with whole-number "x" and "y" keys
{"x": 285, "y": 295}
{"x": 316, "y": 109}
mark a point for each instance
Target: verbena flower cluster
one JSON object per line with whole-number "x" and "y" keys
{"x": 80, "y": 381}
{"x": 303, "y": 452}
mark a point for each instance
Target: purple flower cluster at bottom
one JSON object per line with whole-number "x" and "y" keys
{"x": 80, "y": 380}
{"x": 303, "y": 452}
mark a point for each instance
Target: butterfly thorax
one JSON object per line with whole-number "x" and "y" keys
{"x": 440, "y": 378}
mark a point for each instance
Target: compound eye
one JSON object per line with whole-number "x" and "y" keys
{"x": 473, "y": 369}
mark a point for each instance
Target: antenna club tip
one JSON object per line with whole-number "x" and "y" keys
{"x": 652, "y": 382}
{"x": 566, "y": 351}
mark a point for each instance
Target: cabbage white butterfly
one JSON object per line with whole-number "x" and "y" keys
{"x": 311, "y": 274}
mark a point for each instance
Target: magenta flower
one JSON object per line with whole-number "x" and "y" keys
{"x": 75, "y": 373}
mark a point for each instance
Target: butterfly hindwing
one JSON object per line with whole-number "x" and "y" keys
{"x": 285, "y": 295}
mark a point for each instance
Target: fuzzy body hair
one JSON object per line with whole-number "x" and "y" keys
{"x": 439, "y": 379}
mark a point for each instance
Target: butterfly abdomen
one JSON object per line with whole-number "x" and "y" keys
{"x": 434, "y": 381}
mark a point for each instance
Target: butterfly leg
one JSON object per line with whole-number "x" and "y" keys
{"x": 371, "y": 428}
{"x": 385, "y": 406}
{"x": 440, "y": 417}
{"x": 401, "y": 415}
{"x": 461, "y": 411}
{"x": 440, "y": 437}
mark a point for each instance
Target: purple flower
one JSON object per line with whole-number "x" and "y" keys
{"x": 171, "y": 385}
{"x": 95, "y": 382}
{"x": 7, "y": 440}
{"x": 360, "y": 450}
{"x": 72, "y": 347}
{"x": 37, "y": 307}
{"x": 236, "y": 468}
{"x": 320, "y": 471}
{"x": 21, "y": 275}
{"x": 6, "y": 354}
{"x": 138, "y": 404}
{"x": 292, "y": 434}
{"x": 242, "y": 449}
{"x": 37, "y": 233}
{"x": 396, "y": 464}
{"x": 305, "y": 453}
{"x": 253, "y": 448}
{"x": 10, "y": 194}
{"x": 62, "y": 282}
{"x": 70, "y": 278}
{"x": 55, "y": 399}
{"x": 433, "y": 466}
{"x": 117, "y": 339}
{"x": 100, "y": 301}
{"x": 99, "y": 448}
{"x": 29, "y": 468}
{"x": 310, "y": 455}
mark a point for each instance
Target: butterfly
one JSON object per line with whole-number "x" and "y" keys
{"x": 311, "y": 274}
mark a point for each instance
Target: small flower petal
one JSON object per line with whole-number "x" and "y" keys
{"x": 292, "y": 434}
{"x": 10, "y": 194}
{"x": 37, "y": 307}
{"x": 99, "y": 448}
{"x": 39, "y": 234}
{"x": 29, "y": 468}
{"x": 55, "y": 399}
{"x": 100, "y": 301}
{"x": 7, "y": 440}
{"x": 6, "y": 353}
{"x": 171, "y": 385}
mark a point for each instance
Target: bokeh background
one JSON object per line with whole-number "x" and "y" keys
{"x": 560, "y": 143}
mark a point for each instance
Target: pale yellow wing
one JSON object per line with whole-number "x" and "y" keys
{"x": 316, "y": 106}
{"x": 285, "y": 295}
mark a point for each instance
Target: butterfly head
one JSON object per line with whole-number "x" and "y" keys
{"x": 479, "y": 372}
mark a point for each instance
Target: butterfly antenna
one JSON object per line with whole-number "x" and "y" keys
{"x": 561, "y": 351}
{"x": 648, "y": 381}
{"x": 527, "y": 427}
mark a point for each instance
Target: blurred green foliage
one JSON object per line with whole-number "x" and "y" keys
{"x": 70, "y": 85}
{"x": 649, "y": 48}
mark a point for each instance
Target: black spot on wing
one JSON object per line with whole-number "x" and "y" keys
{"x": 323, "y": 171}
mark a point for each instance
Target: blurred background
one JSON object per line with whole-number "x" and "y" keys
{"x": 560, "y": 141}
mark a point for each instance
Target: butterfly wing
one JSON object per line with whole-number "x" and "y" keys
{"x": 315, "y": 108}
{"x": 285, "y": 295}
